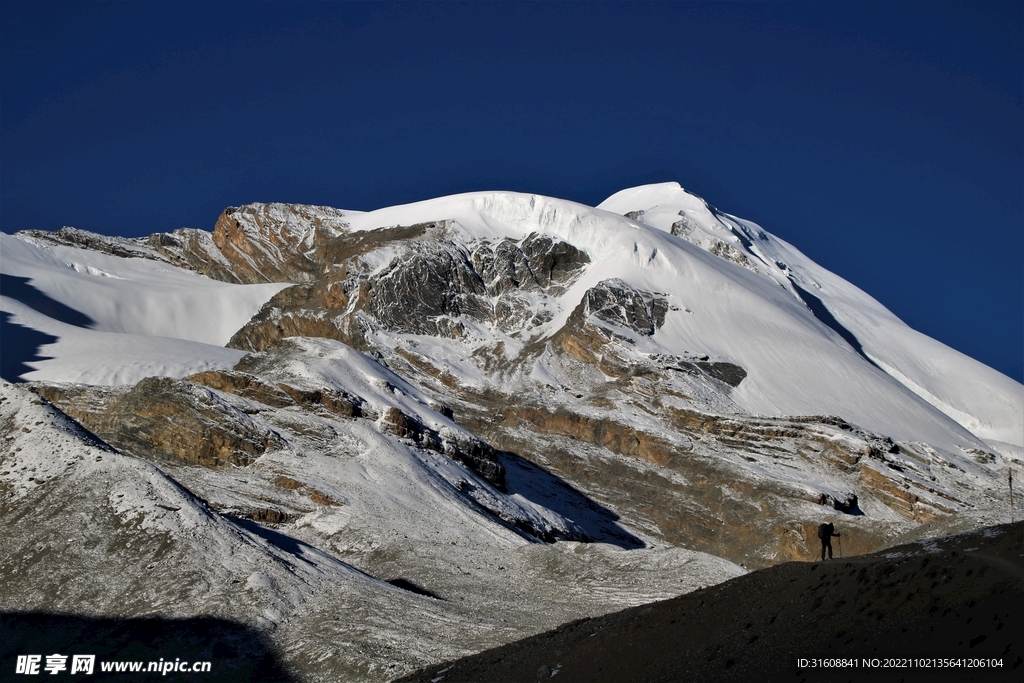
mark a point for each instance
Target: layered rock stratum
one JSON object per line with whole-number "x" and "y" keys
{"x": 463, "y": 421}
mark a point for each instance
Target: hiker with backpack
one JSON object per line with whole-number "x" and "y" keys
{"x": 825, "y": 533}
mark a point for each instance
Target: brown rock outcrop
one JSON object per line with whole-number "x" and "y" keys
{"x": 276, "y": 242}
{"x": 245, "y": 385}
{"x": 166, "y": 419}
{"x": 475, "y": 454}
{"x": 697, "y": 495}
{"x": 905, "y": 497}
{"x": 427, "y": 289}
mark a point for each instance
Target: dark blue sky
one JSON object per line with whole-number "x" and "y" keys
{"x": 885, "y": 140}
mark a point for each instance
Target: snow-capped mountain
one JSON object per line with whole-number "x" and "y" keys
{"x": 518, "y": 410}
{"x": 776, "y": 318}
{"x": 984, "y": 401}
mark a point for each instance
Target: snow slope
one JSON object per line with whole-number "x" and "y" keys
{"x": 118, "y": 320}
{"x": 912, "y": 388}
{"x": 313, "y": 364}
{"x": 983, "y": 400}
{"x": 57, "y": 469}
{"x": 91, "y": 530}
{"x": 810, "y": 342}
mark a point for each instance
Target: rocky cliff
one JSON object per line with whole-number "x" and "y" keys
{"x": 467, "y": 420}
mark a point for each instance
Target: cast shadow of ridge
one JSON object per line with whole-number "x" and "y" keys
{"x": 19, "y": 345}
{"x": 235, "y": 651}
{"x": 821, "y": 312}
{"x": 19, "y": 289}
{"x": 535, "y": 483}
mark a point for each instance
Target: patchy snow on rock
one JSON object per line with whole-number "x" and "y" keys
{"x": 553, "y": 405}
{"x": 94, "y": 498}
{"x": 898, "y": 382}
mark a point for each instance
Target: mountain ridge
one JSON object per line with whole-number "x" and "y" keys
{"x": 697, "y": 224}
{"x": 511, "y": 409}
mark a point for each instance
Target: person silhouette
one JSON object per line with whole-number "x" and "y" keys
{"x": 825, "y": 533}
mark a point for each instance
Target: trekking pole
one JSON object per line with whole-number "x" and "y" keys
{"x": 1010, "y": 470}
{"x": 840, "y": 547}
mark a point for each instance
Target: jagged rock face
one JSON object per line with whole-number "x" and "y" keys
{"x": 538, "y": 262}
{"x": 425, "y": 292}
{"x": 83, "y": 239}
{"x": 328, "y": 307}
{"x": 620, "y": 305}
{"x": 276, "y": 242}
{"x": 614, "y": 313}
{"x": 723, "y": 371}
{"x": 195, "y": 250}
{"x": 729, "y": 253}
{"x": 427, "y": 289}
{"x": 165, "y": 419}
{"x": 250, "y": 244}
{"x": 311, "y": 310}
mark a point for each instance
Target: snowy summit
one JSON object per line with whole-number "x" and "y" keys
{"x": 464, "y": 420}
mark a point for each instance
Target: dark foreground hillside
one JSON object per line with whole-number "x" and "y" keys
{"x": 959, "y": 597}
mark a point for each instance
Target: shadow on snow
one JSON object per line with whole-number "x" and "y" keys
{"x": 19, "y": 345}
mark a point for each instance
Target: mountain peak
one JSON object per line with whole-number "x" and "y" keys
{"x": 462, "y": 411}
